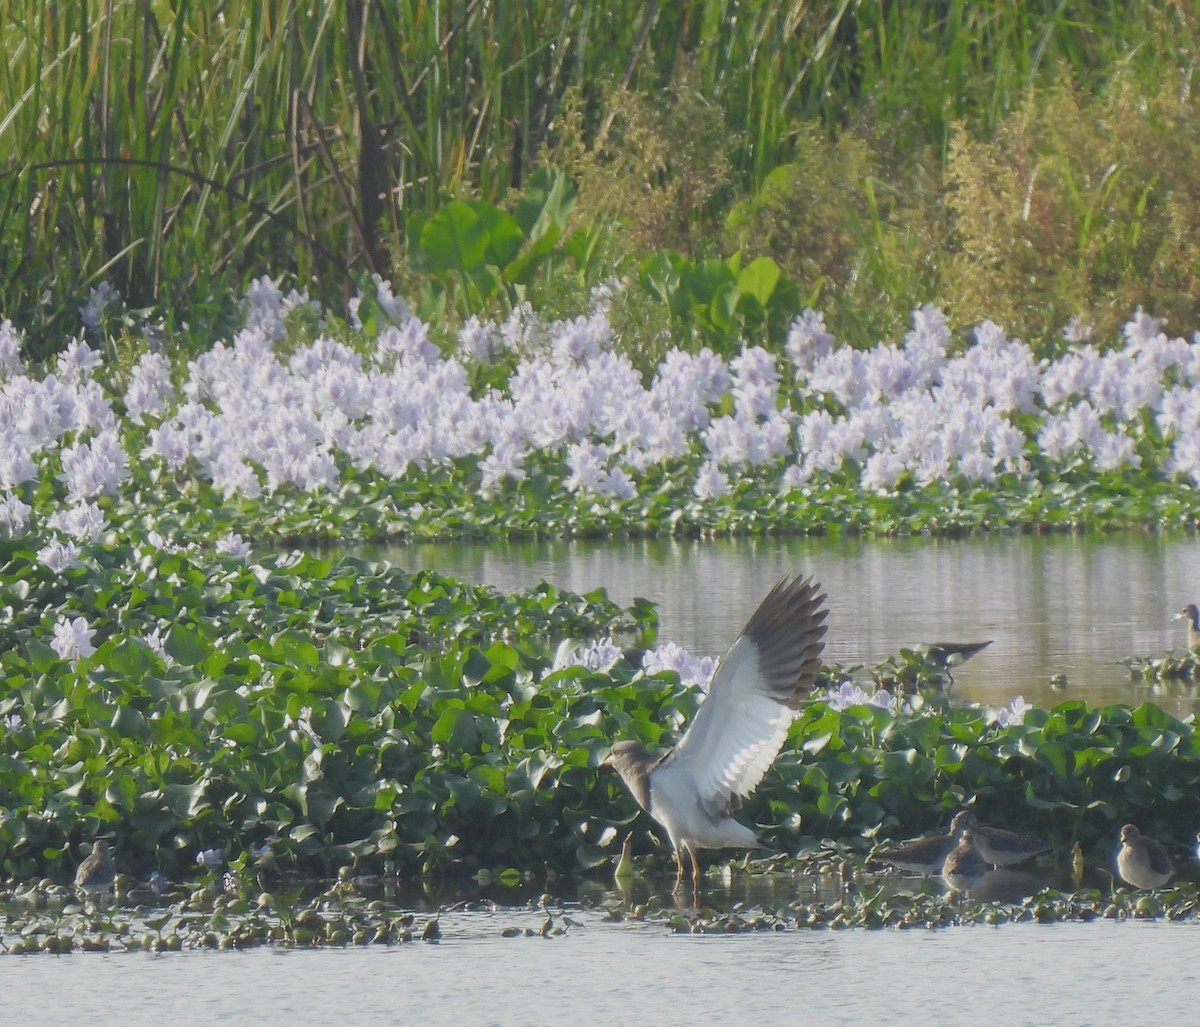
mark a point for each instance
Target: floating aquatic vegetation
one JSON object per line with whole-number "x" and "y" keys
{"x": 376, "y": 430}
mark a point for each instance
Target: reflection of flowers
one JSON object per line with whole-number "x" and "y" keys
{"x": 73, "y": 639}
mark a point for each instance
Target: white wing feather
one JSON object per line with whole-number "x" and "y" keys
{"x": 737, "y": 732}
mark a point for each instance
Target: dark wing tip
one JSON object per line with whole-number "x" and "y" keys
{"x": 788, "y": 629}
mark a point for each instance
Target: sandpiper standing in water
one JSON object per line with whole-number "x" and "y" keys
{"x": 97, "y": 873}
{"x": 1141, "y": 861}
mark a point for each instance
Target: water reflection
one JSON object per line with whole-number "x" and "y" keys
{"x": 1067, "y": 605}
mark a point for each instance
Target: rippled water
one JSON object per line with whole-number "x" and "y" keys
{"x": 1097, "y": 973}
{"x": 1062, "y": 604}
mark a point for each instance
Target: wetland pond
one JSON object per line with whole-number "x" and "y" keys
{"x": 1059, "y": 605}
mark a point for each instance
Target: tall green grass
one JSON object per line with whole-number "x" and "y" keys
{"x": 175, "y": 147}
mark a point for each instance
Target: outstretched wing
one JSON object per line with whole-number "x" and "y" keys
{"x": 759, "y": 684}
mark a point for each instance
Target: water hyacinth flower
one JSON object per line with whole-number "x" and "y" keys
{"x": 1014, "y": 713}
{"x": 596, "y": 656}
{"x": 59, "y": 556}
{"x": 14, "y": 514}
{"x": 77, "y": 361}
{"x": 73, "y": 639}
{"x": 100, "y": 298}
{"x": 233, "y": 545}
{"x": 84, "y": 522}
{"x": 848, "y": 694}
{"x": 711, "y": 482}
{"x": 695, "y": 672}
{"x": 211, "y": 858}
{"x": 10, "y": 349}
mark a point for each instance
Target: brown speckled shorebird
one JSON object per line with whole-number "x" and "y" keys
{"x": 694, "y": 789}
{"x": 1191, "y": 614}
{"x": 1004, "y": 848}
{"x": 928, "y": 855}
{"x": 1141, "y": 861}
{"x": 96, "y": 873}
{"x": 965, "y": 866}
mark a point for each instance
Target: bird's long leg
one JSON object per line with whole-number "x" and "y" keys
{"x": 679, "y": 868}
{"x": 695, "y": 867}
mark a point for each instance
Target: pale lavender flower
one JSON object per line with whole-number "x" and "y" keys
{"x": 210, "y": 857}
{"x": 881, "y": 471}
{"x": 149, "y": 388}
{"x": 1116, "y": 450}
{"x": 59, "y": 556}
{"x": 90, "y": 469}
{"x": 477, "y": 341}
{"x": 695, "y": 672}
{"x": 77, "y": 361}
{"x": 408, "y": 342}
{"x": 73, "y": 639}
{"x": 100, "y": 298}
{"x": 711, "y": 482}
{"x": 1077, "y": 330}
{"x": 596, "y": 656}
{"x": 14, "y": 514}
{"x": 234, "y": 545}
{"x": 10, "y": 349}
{"x": 844, "y": 696}
{"x": 808, "y": 341}
{"x": 1014, "y": 713}
{"x": 393, "y": 308}
{"x": 84, "y": 522}
{"x": 504, "y": 463}
{"x": 579, "y": 340}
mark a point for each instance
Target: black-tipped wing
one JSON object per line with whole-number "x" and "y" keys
{"x": 760, "y": 682}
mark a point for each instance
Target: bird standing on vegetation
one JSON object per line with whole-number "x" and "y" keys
{"x": 1141, "y": 861}
{"x": 694, "y": 789}
{"x": 965, "y": 866}
{"x": 1003, "y": 848}
{"x": 1191, "y": 614}
{"x": 97, "y": 872}
{"x": 928, "y": 855}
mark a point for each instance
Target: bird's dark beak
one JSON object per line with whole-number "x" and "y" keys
{"x": 607, "y": 761}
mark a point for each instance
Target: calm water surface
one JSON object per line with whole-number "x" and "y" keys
{"x": 1069, "y": 605}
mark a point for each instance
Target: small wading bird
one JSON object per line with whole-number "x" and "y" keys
{"x": 1003, "y": 848}
{"x": 1141, "y": 861}
{"x": 694, "y": 789}
{"x": 965, "y": 866}
{"x": 1191, "y": 614}
{"x": 96, "y": 873}
{"x": 951, "y": 654}
{"x": 928, "y": 855}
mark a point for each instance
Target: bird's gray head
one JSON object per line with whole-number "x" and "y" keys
{"x": 632, "y": 761}
{"x": 1129, "y": 832}
{"x": 963, "y": 820}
